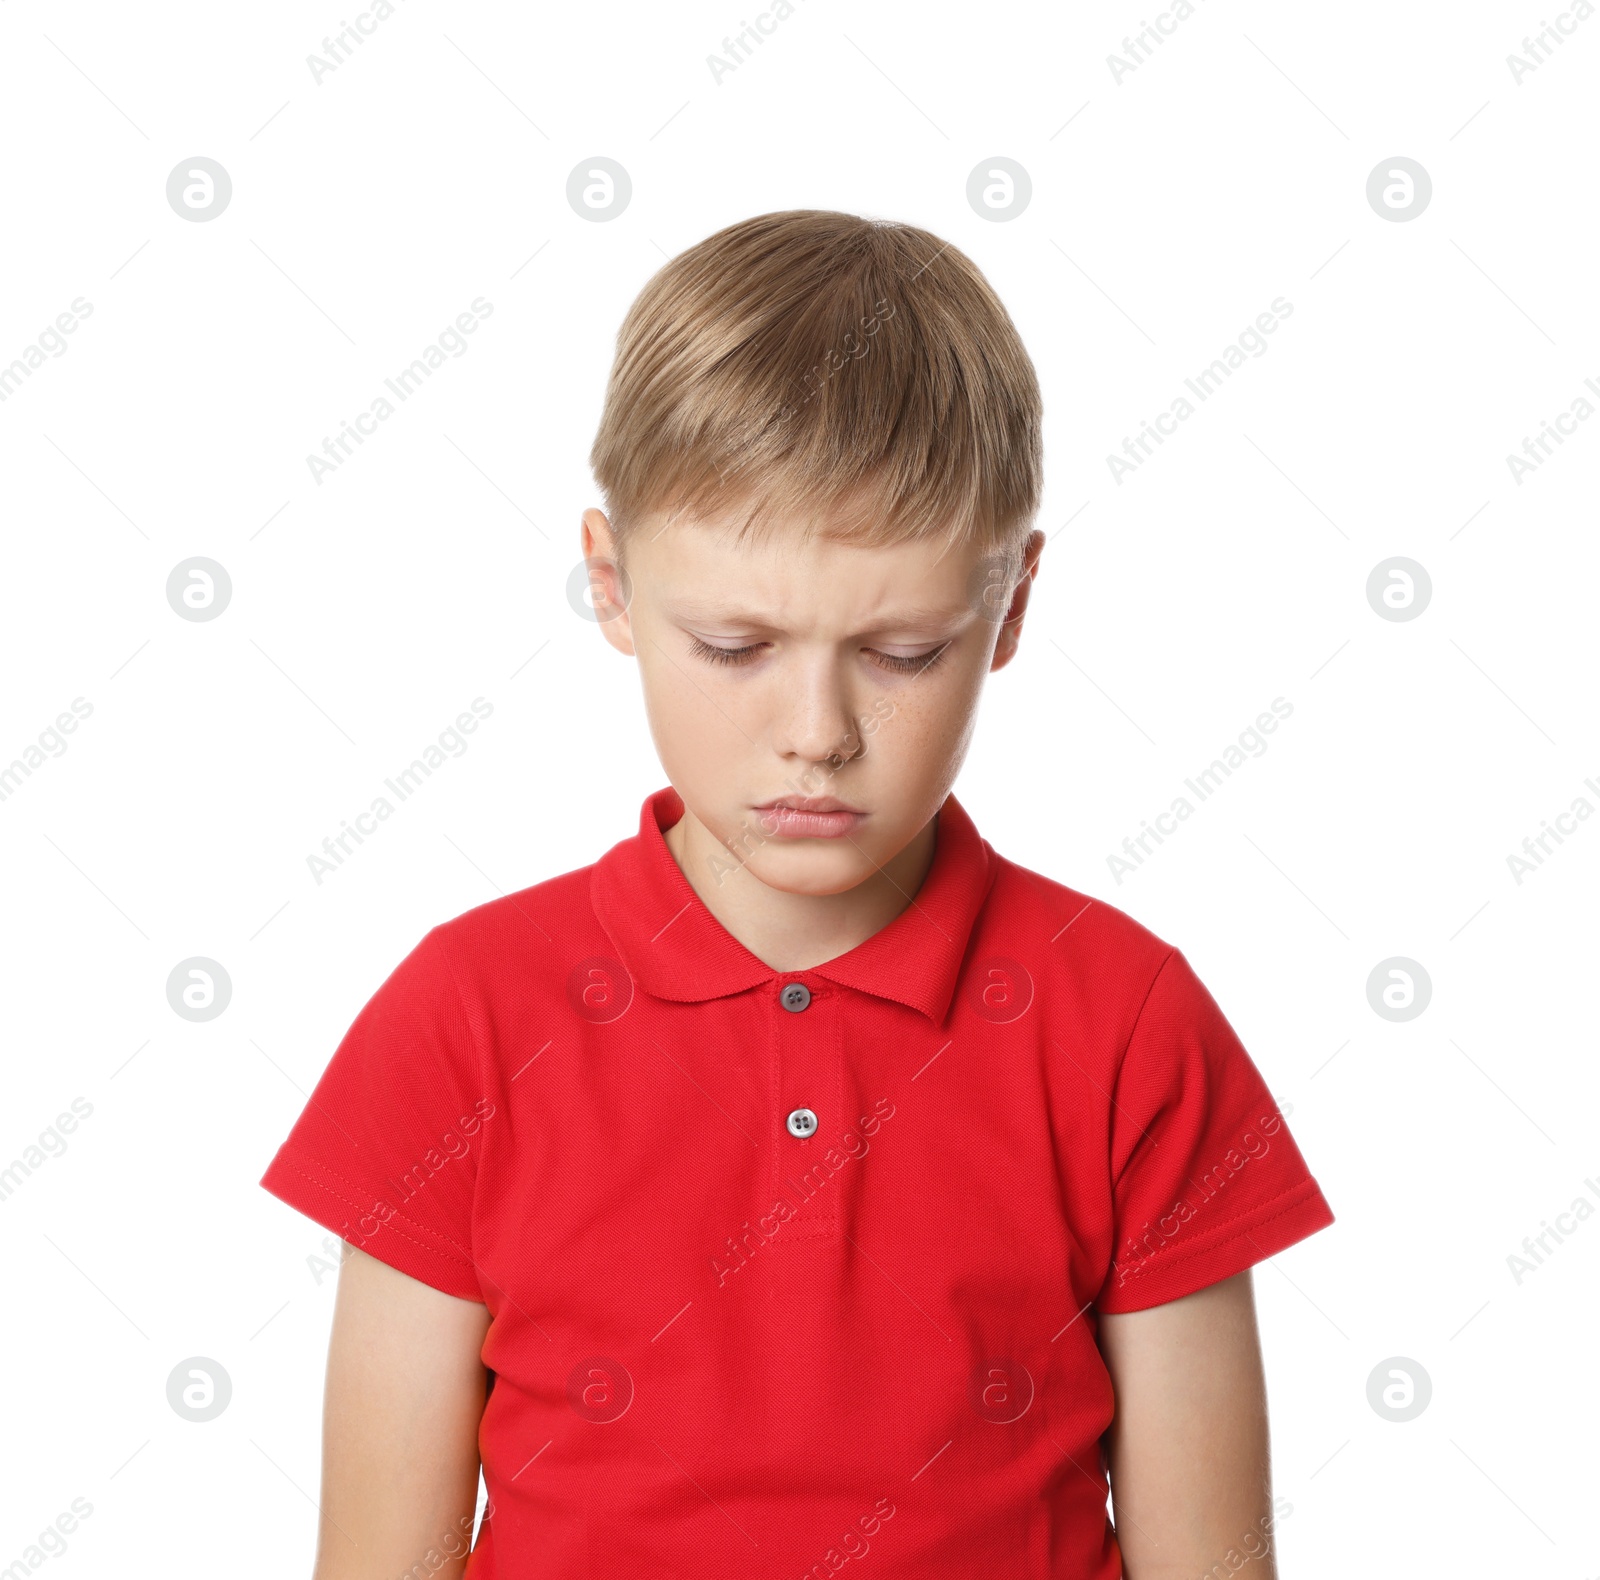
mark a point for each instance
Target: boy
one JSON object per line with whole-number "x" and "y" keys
{"x": 802, "y": 1181}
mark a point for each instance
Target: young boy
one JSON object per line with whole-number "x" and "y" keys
{"x": 802, "y": 1181}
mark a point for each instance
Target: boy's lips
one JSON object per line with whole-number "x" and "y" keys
{"x": 808, "y": 817}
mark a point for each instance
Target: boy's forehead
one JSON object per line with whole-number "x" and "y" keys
{"x": 706, "y": 573}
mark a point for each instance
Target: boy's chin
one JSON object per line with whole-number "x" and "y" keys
{"x": 813, "y": 867}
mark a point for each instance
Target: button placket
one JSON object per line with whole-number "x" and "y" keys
{"x": 808, "y": 1089}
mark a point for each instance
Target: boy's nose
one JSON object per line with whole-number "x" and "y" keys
{"x": 815, "y": 721}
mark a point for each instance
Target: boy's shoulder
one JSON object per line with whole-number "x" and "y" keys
{"x": 555, "y": 916}
{"x": 1036, "y": 917}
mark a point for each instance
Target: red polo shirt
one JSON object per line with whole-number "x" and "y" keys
{"x": 731, "y": 1339}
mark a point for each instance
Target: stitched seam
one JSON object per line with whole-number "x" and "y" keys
{"x": 355, "y": 1205}
{"x": 416, "y": 1223}
{"x": 814, "y": 1221}
{"x": 1133, "y": 1031}
{"x": 1116, "y": 1080}
{"x": 1216, "y": 1234}
{"x": 1221, "y": 1225}
{"x": 775, "y": 1099}
{"x": 478, "y": 1054}
{"x": 823, "y": 1220}
{"x": 461, "y": 1002}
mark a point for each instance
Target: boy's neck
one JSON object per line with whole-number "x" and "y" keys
{"x": 793, "y": 932}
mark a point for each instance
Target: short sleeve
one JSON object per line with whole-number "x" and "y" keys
{"x": 1206, "y": 1179}
{"x": 385, "y": 1152}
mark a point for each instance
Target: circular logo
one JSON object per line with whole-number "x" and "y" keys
{"x": 1001, "y": 1391}
{"x": 1398, "y": 589}
{"x": 599, "y": 989}
{"x": 598, "y": 189}
{"x": 1399, "y": 1388}
{"x": 199, "y": 989}
{"x": 1399, "y": 989}
{"x": 1398, "y": 189}
{"x": 600, "y": 1389}
{"x": 198, "y": 189}
{"x": 998, "y": 189}
{"x": 989, "y": 587}
{"x": 588, "y": 594}
{"x": 198, "y": 589}
{"x": 199, "y": 1389}
{"x": 1002, "y": 989}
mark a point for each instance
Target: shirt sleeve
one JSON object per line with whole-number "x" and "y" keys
{"x": 385, "y": 1152}
{"x": 1206, "y": 1179}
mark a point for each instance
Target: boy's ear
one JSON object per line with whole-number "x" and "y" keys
{"x": 605, "y": 596}
{"x": 1005, "y": 646}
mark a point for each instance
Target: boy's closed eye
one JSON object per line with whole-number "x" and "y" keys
{"x": 899, "y": 663}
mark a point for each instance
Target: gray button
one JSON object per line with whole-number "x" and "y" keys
{"x": 795, "y": 996}
{"x": 802, "y": 1123}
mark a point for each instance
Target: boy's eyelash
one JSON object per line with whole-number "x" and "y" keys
{"x": 914, "y": 666}
{"x": 720, "y": 655}
{"x": 742, "y": 655}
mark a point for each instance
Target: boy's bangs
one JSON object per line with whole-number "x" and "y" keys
{"x": 819, "y": 371}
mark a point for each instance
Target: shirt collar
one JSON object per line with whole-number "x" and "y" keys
{"x": 676, "y": 949}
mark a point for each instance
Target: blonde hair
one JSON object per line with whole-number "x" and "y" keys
{"x": 819, "y": 368}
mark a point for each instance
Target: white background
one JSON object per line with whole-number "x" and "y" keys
{"x": 1167, "y": 211}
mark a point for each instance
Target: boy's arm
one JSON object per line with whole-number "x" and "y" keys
{"x": 405, "y": 1392}
{"x": 1187, "y": 1447}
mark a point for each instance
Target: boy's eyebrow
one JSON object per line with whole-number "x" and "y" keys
{"x": 906, "y": 615}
